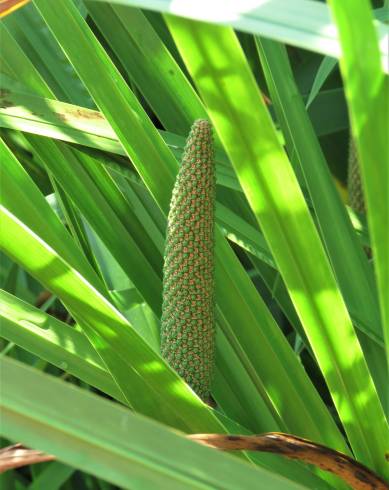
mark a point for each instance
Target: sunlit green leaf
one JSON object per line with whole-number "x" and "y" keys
{"x": 216, "y": 62}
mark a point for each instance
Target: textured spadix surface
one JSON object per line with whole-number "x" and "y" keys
{"x": 354, "y": 181}
{"x": 187, "y": 327}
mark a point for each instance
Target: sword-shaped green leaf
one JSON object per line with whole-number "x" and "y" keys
{"x": 220, "y": 70}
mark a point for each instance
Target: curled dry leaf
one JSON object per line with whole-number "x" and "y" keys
{"x": 355, "y": 474}
{"x": 17, "y": 455}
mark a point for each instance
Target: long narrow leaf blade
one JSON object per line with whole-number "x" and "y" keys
{"x": 367, "y": 92}
{"x": 244, "y": 317}
{"x": 348, "y": 259}
{"x": 301, "y": 23}
{"x": 217, "y": 64}
{"x": 107, "y": 440}
{"x": 133, "y": 364}
{"x": 55, "y": 342}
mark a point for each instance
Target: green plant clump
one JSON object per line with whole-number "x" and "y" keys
{"x": 188, "y": 325}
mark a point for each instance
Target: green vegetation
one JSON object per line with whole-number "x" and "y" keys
{"x": 97, "y": 99}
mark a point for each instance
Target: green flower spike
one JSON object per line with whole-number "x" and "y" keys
{"x": 188, "y": 323}
{"x": 354, "y": 182}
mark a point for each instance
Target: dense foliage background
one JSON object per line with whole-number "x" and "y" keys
{"x": 96, "y": 101}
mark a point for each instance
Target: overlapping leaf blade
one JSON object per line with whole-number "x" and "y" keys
{"x": 301, "y": 23}
{"x": 68, "y": 349}
{"x": 241, "y": 315}
{"x": 117, "y": 104}
{"x": 123, "y": 351}
{"x": 367, "y": 92}
{"x": 111, "y": 442}
{"x": 216, "y": 62}
{"x": 348, "y": 259}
